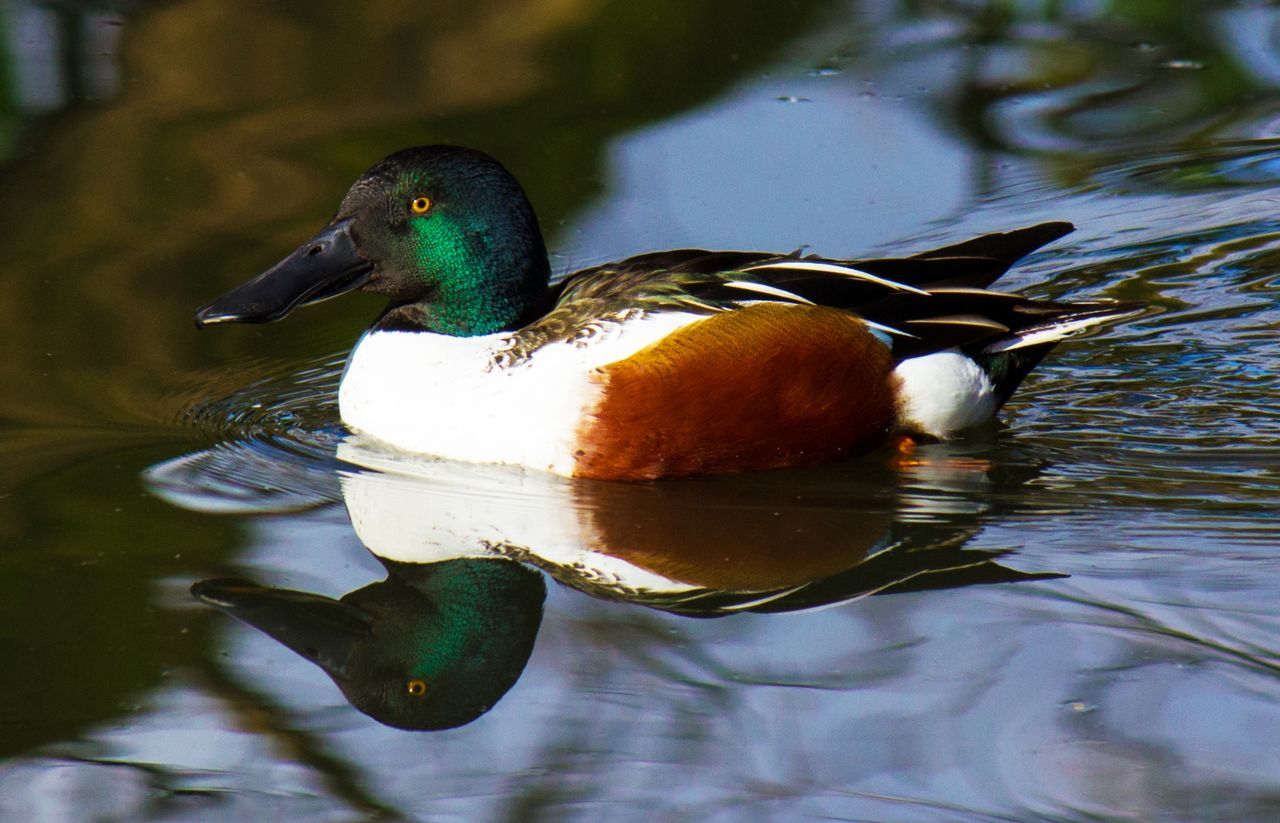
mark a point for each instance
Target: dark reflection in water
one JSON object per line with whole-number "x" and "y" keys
{"x": 448, "y": 632}
{"x": 433, "y": 646}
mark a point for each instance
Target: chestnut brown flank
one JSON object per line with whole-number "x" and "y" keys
{"x": 767, "y": 386}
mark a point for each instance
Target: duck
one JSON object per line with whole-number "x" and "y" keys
{"x": 672, "y": 363}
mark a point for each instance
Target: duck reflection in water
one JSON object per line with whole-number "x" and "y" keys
{"x": 433, "y": 646}
{"x": 448, "y": 632}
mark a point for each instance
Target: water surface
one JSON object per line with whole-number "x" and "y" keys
{"x": 1071, "y": 615}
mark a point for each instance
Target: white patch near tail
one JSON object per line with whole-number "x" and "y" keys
{"x": 943, "y": 393}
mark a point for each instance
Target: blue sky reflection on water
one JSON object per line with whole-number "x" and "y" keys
{"x": 755, "y": 171}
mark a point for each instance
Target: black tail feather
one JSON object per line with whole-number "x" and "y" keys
{"x": 1008, "y": 247}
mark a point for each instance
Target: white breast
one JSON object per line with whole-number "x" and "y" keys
{"x": 446, "y": 396}
{"x": 442, "y": 395}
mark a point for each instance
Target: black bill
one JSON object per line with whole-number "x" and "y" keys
{"x": 323, "y": 630}
{"x": 325, "y": 266}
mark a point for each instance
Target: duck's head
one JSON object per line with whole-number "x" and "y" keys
{"x": 433, "y": 646}
{"x": 446, "y": 233}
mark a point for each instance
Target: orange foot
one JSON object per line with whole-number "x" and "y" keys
{"x": 904, "y": 457}
{"x": 904, "y": 449}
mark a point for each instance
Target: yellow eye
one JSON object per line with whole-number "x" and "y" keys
{"x": 416, "y": 687}
{"x": 420, "y": 205}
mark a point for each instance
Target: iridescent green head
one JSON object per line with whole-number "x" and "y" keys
{"x": 446, "y": 233}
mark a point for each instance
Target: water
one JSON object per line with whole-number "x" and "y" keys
{"x": 1068, "y": 616}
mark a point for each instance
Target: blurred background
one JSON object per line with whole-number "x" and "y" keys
{"x": 153, "y": 154}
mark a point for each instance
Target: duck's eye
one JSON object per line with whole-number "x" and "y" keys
{"x": 416, "y": 687}
{"x": 420, "y": 205}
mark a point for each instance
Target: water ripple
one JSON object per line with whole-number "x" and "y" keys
{"x": 274, "y": 442}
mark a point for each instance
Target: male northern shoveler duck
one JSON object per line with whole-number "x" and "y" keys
{"x": 670, "y": 363}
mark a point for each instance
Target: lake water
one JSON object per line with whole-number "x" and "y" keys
{"x": 1072, "y": 615}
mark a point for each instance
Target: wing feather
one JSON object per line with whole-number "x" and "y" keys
{"x": 931, "y": 301}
